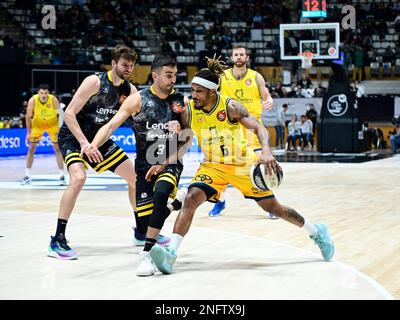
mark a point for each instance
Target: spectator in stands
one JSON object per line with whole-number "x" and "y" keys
{"x": 300, "y": 93}
{"x": 279, "y": 115}
{"x": 306, "y": 128}
{"x": 294, "y": 133}
{"x": 395, "y": 136}
{"x": 312, "y": 114}
{"x": 279, "y": 90}
{"x": 318, "y": 93}
{"x": 22, "y": 110}
{"x": 292, "y": 92}
{"x": 358, "y": 64}
{"x": 6, "y": 123}
{"x": 139, "y": 31}
{"x": 356, "y": 89}
{"x": 310, "y": 91}
{"x": 304, "y": 82}
{"x": 19, "y": 124}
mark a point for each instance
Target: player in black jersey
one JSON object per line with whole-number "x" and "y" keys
{"x": 155, "y": 113}
{"x": 95, "y": 102}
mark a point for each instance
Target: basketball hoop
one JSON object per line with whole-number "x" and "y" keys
{"x": 306, "y": 59}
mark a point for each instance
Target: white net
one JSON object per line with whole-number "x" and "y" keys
{"x": 306, "y": 59}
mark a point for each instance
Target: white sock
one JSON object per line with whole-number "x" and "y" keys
{"x": 27, "y": 172}
{"x": 62, "y": 172}
{"x": 170, "y": 207}
{"x": 222, "y": 196}
{"x": 176, "y": 240}
{"x": 309, "y": 227}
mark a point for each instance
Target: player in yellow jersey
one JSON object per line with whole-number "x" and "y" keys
{"x": 248, "y": 87}
{"x": 42, "y": 116}
{"x": 216, "y": 120}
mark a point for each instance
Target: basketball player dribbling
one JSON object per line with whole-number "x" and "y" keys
{"x": 248, "y": 87}
{"x": 214, "y": 117}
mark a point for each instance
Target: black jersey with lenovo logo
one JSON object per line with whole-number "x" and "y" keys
{"x": 101, "y": 107}
{"x": 154, "y": 142}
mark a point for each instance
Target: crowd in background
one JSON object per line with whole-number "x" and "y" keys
{"x": 90, "y": 24}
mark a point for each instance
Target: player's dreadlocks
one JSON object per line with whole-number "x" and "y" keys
{"x": 215, "y": 69}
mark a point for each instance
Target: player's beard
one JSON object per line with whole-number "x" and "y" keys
{"x": 122, "y": 75}
{"x": 167, "y": 89}
{"x": 197, "y": 105}
{"x": 239, "y": 64}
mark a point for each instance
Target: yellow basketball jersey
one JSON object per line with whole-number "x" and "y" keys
{"x": 44, "y": 114}
{"x": 220, "y": 140}
{"x": 244, "y": 90}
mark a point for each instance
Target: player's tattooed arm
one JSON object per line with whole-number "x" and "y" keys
{"x": 238, "y": 113}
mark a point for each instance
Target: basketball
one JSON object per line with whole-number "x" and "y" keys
{"x": 262, "y": 180}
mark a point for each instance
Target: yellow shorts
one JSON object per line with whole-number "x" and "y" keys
{"x": 37, "y": 133}
{"x": 213, "y": 178}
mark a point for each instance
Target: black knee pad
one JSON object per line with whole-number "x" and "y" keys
{"x": 160, "y": 199}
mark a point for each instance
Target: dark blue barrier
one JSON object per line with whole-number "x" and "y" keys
{"x": 13, "y": 142}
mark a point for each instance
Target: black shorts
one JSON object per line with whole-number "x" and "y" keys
{"x": 112, "y": 153}
{"x": 145, "y": 189}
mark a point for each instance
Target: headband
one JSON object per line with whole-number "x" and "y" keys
{"x": 205, "y": 83}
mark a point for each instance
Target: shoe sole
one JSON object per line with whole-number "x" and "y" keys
{"x": 155, "y": 253}
{"x": 54, "y": 254}
{"x": 144, "y": 274}
{"x": 214, "y": 215}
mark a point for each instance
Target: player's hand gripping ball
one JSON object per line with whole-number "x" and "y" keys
{"x": 264, "y": 181}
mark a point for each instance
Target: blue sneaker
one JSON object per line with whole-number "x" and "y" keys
{"x": 163, "y": 257}
{"x": 140, "y": 239}
{"x": 58, "y": 248}
{"x": 218, "y": 207}
{"x": 323, "y": 241}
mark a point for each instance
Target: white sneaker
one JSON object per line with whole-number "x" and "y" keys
{"x": 146, "y": 266}
{"x": 26, "y": 180}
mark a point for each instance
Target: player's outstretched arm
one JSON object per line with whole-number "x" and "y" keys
{"x": 131, "y": 106}
{"x": 237, "y": 112}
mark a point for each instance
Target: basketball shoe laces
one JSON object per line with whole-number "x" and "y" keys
{"x": 170, "y": 250}
{"x": 318, "y": 240}
{"x": 63, "y": 243}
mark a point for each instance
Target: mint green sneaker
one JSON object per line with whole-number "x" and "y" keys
{"x": 139, "y": 239}
{"x": 323, "y": 241}
{"x": 163, "y": 257}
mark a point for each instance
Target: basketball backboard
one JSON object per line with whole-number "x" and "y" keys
{"x": 323, "y": 39}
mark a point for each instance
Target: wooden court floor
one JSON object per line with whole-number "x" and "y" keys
{"x": 358, "y": 202}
